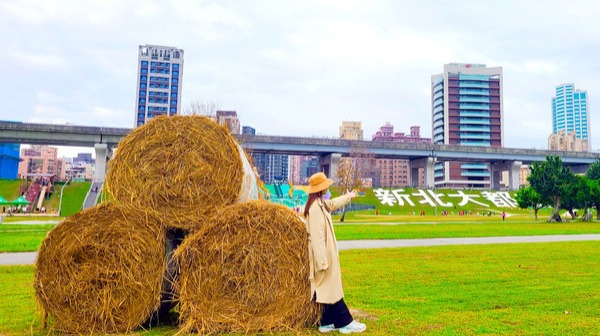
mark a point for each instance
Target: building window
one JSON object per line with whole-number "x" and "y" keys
{"x": 144, "y": 62}
{"x": 144, "y": 71}
{"x": 174, "y": 95}
{"x": 175, "y": 73}
{"x": 149, "y": 108}
{"x": 175, "y": 66}
{"x": 173, "y": 110}
{"x": 143, "y": 78}
{"x": 141, "y": 108}
{"x": 143, "y": 86}
{"x": 143, "y": 93}
{"x": 142, "y": 100}
{"x": 174, "y": 81}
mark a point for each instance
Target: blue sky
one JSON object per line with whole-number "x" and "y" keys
{"x": 296, "y": 67}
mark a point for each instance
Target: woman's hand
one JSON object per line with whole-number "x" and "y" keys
{"x": 352, "y": 194}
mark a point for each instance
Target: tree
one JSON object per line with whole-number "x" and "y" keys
{"x": 578, "y": 196}
{"x": 207, "y": 109}
{"x": 528, "y": 197}
{"x": 551, "y": 179}
{"x": 353, "y": 170}
{"x": 593, "y": 174}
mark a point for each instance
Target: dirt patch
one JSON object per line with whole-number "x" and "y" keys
{"x": 362, "y": 315}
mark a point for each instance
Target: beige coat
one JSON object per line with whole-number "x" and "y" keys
{"x": 325, "y": 273}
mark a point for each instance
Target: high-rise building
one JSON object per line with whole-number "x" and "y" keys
{"x": 160, "y": 70}
{"x": 570, "y": 113}
{"x": 9, "y": 161}
{"x": 394, "y": 172}
{"x": 230, "y": 119}
{"x": 84, "y": 157}
{"x": 248, "y": 130}
{"x": 567, "y": 142}
{"x": 467, "y": 110}
{"x": 351, "y": 130}
{"x": 39, "y": 160}
{"x": 271, "y": 167}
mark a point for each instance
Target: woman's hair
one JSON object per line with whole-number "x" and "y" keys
{"x": 309, "y": 201}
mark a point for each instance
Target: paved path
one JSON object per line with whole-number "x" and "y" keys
{"x": 25, "y": 258}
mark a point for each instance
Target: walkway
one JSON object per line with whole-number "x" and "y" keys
{"x": 27, "y": 258}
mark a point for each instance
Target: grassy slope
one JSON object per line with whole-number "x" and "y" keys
{"x": 506, "y": 289}
{"x": 73, "y": 197}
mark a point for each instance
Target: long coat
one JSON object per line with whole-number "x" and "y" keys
{"x": 325, "y": 273}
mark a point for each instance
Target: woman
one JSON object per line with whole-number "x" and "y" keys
{"x": 325, "y": 273}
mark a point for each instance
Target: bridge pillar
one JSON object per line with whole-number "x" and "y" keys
{"x": 427, "y": 164}
{"x": 329, "y": 165}
{"x": 514, "y": 172}
{"x": 102, "y": 155}
{"x": 580, "y": 169}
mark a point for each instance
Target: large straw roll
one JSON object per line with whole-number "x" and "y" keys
{"x": 101, "y": 270}
{"x": 246, "y": 271}
{"x": 181, "y": 166}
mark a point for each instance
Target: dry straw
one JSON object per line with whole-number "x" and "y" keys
{"x": 101, "y": 270}
{"x": 246, "y": 271}
{"x": 184, "y": 167}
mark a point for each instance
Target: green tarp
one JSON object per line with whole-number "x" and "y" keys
{"x": 19, "y": 200}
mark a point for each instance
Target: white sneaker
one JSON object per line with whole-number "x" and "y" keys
{"x": 353, "y": 327}
{"x": 327, "y": 328}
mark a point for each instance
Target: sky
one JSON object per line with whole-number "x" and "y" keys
{"x": 296, "y": 68}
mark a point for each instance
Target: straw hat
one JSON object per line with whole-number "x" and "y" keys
{"x": 319, "y": 182}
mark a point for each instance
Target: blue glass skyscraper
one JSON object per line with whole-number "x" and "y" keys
{"x": 570, "y": 112}
{"x": 158, "y": 91}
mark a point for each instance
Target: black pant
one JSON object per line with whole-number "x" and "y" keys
{"x": 336, "y": 314}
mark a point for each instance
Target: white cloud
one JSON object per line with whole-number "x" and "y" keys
{"x": 297, "y": 68}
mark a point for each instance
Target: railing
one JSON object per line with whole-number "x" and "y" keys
{"x": 61, "y": 194}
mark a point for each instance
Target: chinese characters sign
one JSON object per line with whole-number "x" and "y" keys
{"x": 400, "y": 197}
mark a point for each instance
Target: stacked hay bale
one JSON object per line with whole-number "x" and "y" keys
{"x": 246, "y": 271}
{"x": 185, "y": 167}
{"x": 247, "y": 262}
{"x": 100, "y": 270}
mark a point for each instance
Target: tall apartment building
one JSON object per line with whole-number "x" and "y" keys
{"x": 570, "y": 114}
{"x": 467, "y": 110}
{"x": 160, "y": 70}
{"x": 395, "y": 172}
{"x": 271, "y": 167}
{"x": 230, "y": 119}
{"x": 39, "y": 160}
{"x": 351, "y": 130}
{"x": 567, "y": 142}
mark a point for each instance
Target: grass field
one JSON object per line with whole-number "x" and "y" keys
{"x": 25, "y": 238}
{"x": 508, "y": 289}
{"x": 22, "y": 238}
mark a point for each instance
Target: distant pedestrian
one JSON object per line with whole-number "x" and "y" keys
{"x": 503, "y": 215}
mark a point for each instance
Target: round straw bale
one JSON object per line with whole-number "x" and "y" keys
{"x": 180, "y": 166}
{"x": 246, "y": 271}
{"x": 101, "y": 270}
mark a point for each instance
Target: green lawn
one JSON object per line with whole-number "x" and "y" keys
{"x": 22, "y": 238}
{"x": 73, "y": 197}
{"x": 481, "y": 228}
{"x": 507, "y": 289}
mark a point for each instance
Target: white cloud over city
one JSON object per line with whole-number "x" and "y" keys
{"x": 297, "y": 67}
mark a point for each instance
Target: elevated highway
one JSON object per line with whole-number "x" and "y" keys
{"x": 330, "y": 150}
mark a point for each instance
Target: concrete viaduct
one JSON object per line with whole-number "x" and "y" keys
{"x": 104, "y": 139}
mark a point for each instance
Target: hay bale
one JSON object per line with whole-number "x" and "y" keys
{"x": 246, "y": 271}
{"x": 101, "y": 270}
{"x": 184, "y": 167}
